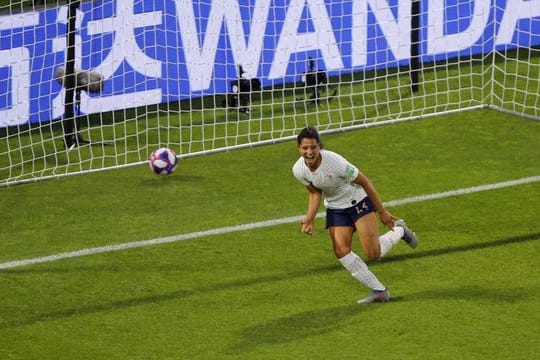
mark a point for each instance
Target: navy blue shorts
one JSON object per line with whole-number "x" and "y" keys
{"x": 348, "y": 216}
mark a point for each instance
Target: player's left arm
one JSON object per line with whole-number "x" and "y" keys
{"x": 385, "y": 216}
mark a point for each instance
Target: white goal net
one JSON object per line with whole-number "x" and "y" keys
{"x": 93, "y": 85}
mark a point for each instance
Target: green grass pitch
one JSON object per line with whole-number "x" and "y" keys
{"x": 470, "y": 290}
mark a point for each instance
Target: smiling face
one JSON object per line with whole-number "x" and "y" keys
{"x": 310, "y": 150}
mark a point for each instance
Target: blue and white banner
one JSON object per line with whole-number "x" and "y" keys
{"x": 152, "y": 52}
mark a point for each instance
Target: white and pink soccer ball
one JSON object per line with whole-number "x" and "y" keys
{"x": 163, "y": 161}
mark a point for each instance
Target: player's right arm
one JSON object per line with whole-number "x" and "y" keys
{"x": 314, "y": 203}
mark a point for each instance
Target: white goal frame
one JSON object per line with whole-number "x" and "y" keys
{"x": 87, "y": 86}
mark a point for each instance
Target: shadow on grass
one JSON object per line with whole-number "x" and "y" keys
{"x": 311, "y": 323}
{"x": 310, "y": 317}
{"x": 475, "y": 293}
{"x": 463, "y": 248}
{"x": 157, "y": 298}
{"x": 297, "y": 326}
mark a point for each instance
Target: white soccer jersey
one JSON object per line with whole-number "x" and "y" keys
{"x": 334, "y": 177}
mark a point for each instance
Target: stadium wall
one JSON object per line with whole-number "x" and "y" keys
{"x": 152, "y": 52}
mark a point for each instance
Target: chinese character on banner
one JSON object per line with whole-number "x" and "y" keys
{"x": 122, "y": 52}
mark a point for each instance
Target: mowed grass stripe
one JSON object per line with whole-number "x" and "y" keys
{"x": 255, "y": 225}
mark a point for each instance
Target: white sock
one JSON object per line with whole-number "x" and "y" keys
{"x": 391, "y": 238}
{"x": 359, "y": 270}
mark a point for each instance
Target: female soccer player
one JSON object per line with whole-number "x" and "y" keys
{"x": 351, "y": 201}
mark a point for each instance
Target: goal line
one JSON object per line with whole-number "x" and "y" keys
{"x": 255, "y": 225}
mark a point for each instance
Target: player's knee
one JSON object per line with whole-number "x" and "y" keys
{"x": 373, "y": 254}
{"x": 372, "y": 251}
{"x": 341, "y": 251}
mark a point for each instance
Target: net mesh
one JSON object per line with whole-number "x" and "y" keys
{"x": 206, "y": 76}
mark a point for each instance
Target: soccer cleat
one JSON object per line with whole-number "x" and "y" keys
{"x": 408, "y": 235}
{"x": 376, "y": 296}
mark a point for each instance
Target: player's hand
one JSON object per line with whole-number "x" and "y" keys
{"x": 387, "y": 219}
{"x": 307, "y": 227}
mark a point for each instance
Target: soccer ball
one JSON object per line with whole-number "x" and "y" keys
{"x": 163, "y": 161}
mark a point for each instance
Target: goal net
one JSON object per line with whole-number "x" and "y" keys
{"x": 93, "y": 85}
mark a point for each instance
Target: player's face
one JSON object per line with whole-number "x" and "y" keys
{"x": 310, "y": 150}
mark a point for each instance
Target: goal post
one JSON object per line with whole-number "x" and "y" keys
{"x": 206, "y": 76}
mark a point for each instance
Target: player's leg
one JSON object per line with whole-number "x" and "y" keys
{"x": 341, "y": 241}
{"x": 341, "y": 237}
{"x": 368, "y": 232}
{"x": 376, "y": 246}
